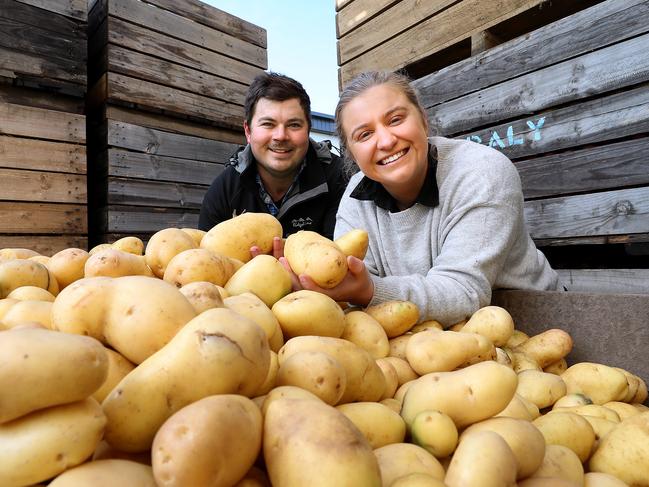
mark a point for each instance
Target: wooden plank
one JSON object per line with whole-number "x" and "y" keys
{"x": 44, "y": 244}
{"x": 160, "y": 71}
{"x": 605, "y": 118}
{"x": 151, "y": 141}
{"x": 60, "y": 25}
{"x": 42, "y": 218}
{"x": 398, "y": 18}
{"x": 137, "y": 192}
{"x": 23, "y": 185}
{"x": 146, "y": 41}
{"x": 172, "y": 25}
{"x": 130, "y": 219}
{"x": 606, "y": 280}
{"x": 572, "y": 36}
{"x": 42, "y": 155}
{"x": 213, "y": 17}
{"x": 633, "y": 239}
{"x": 359, "y": 12}
{"x": 42, "y": 124}
{"x": 129, "y": 164}
{"x": 41, "y": 99}
{"x": 147, "y": 94}
{"x": 175, "y": 125}
{"x": 70, "y": 8}
{"x": 609, "y": 166}
{"x": 614, "y": 67}
{"x": 608, "y": 213}
{"x": 21, "y": 64}
{"x": 449, "y": 27}
{"x": 342, "y": 3}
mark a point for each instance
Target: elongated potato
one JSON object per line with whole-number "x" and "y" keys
{"x": 115, "y": 263}
{"x": 307, "y": 312}
{"x": 264, "y": 276}
{"x": 391, "y": 377}
{"x": 118, "y": 368}
{"x": 599, "y": 382}
{"x": 316, "y": 256}
{"x": 354, "y": 242}
{"x": 560, "y": 462}
{"x": 17, "y": 253}
{"x": 28, "y": 311}
{"x": 132, "y": 245}
{"x": 492, "y": 322}
{"x": 396, "y": 317}
{"x": 378, "y": 423}
{"x": 567, "y": 429}
{"x": 43, "y": 368}
{"x": 366, "y": 332}
{"x": 194, "y": 265}
{"x": 195, "y": 233}
{"x": 540, "y": 388}
{"x": 403, "y": 369}
{"x": 106, "y": 473}
{"x": 547, "y": 347}
{"x": 443, "y": 351}
{"x": 31, "y": 293}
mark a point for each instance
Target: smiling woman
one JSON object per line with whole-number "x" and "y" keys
{"x": 444, "y": 217}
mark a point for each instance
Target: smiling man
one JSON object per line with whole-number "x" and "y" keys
{"x": 281, "y": 171}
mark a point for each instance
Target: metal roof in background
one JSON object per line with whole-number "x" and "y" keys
{"x": 323, "y": 123}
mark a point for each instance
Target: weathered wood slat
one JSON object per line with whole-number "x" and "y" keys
{"x": 137, "y": 165}
{"x": 150, "y": 141}
{"x": 213, "y": 17}
{"x": 175, "y": 125}
{"x": 124, "y": 191}
{"x": 23, "y": 185}
{"x": 144, "y": 40}
{"x": 40, "y": 99}
{"x": 42, "y": 124}
{"x": 160, "y": 71}
{"x": 147, "y": 94}
{"x": 342, "y": 3}
{"x": 575, "y": 35}
{"x": 76, "y": 9}
{"x": 41, "y": 155}
{"x": 358, "y": 13}
{"x": 614, "y": 165}
{"x": 14, "y": 64}
{"x": 601, "y": 119}
{"x": 634, "y": 238}
{"x": 43, "y": 218}
{"x": 614, "y": 67}
{"x": 129, "y": 219}
{"x": 42, "y": 19}
{"x": 634, "y": 281}
{"x": 435, "y": 34}
{"x": 609, "y": 213}
{"x": 44, "y": 245}
{"x": 397, "y": 19}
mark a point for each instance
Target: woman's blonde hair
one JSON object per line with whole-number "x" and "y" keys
{"x": 361, "y": 84}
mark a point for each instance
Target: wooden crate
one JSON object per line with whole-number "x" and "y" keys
{"x": 166, "y": 109}
{"x": 43, "y": 194}
{"x": 569, "y": 104}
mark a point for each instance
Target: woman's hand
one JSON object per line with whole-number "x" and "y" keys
{"x": 356, "y": 287}
{"x": 278, "y": 249}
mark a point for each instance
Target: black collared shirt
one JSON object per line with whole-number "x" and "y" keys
{"x": 370, "y": 190}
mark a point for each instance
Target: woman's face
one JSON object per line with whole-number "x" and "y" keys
{"x": 387, "y": 138}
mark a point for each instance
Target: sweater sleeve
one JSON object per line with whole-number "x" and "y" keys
{"x": 216, "y": 206}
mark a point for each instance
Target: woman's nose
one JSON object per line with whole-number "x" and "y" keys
{"x": 385, "y": 138}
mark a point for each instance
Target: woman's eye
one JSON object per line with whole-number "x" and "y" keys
{"x": 364, "y": 135}
{"x": 395, "y": 120}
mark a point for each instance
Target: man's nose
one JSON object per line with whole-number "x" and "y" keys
{"x": 279, "y": 132}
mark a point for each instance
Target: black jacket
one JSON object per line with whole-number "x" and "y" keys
{"x": 312, "y": 207}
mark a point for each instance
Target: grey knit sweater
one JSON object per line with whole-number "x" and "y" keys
{"x": 447, "y": 259}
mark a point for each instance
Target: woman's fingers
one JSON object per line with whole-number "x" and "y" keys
{"x": 295, "y": 281}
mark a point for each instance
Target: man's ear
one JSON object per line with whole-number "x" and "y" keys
{"x": 246, "y": 129}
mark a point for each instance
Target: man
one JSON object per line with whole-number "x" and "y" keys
{"x": 281, "y": 171}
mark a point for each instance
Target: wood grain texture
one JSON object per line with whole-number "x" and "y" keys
{"x": 19, "y": 153}
{"x": 24, "y": 185}
{"x": 42, "y": 218}
{"x": 133, "y": 219}
{"x": 137, "y": 192}
{"x": 633, "y": 281}
{"x": 44, "y": 244}
{"x": 76, "y": 9}
{"x": 42, "y": 124}
{"x": 358, "y": 13}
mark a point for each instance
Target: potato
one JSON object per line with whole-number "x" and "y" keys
{"x": 307, "y": 442}
{"x": 467, "y": 395}
{"x": 392, "y": 403}
{"x": 503, "y": 358}
{"x": 557, "y": 368}
{"x": 271, "y": 377}
{"x": 572, "y": 399}
{"x": 316, "y": 372}
{"x": 287, "y": 392}
{"x": 29, "y": 312}
{"x": 600, "y": 479}
{"x": 482, "y": 458}
{"x": 118, "y": 368}
{"x": 309, "y": 313}
{"x": 560, "y": 462}
{"x": 195, "y": 233}
{"x": 250, "y": 306}
{"x": 202, "y": 295}
{"x": 31, "y": 293}
{"x": 567, "y": 429}
{"x": 641, "y": 394}
{"x": 264, "y": 276}
{"x": 622, "y": 409}
{"x": 106, "y": 473}
{"x": 115, "y": 263}
{"x": 43, "y": 368}
{"x": 396, "y": 317}
{"x": 99, "y": 248}
{"x": 212, "y": 442}
{"x": 132, "y": 245}
{"x": 516, "y": 339}
{"x": 398, "y": 346}
{"x": 391, "y": 377}
{"x": 540, "y": 388}
{"x": 525, "y": 440}
{"x": 40, "y": 445}
{"x": 20, "y": 272}
{"x": 365, "y": 381}
{"x": 255, "y": 477}
{"x": 378, "y": 423}
{"x": 547, "y": 347}
{"x": 316, "y": 256}
{"x": 520, "y": 408}
{"x": 403, "y": 369}
{"x": 366, "y": 332}
{"x": 547, "y": 482}
{"x": 198, "y": 265}
{"x": 599, "y": 382}
{"x": 164, "y": 246}
{"x": 402, "y": 389}
{"x": 435, "y": 432}
{"x": 218, "y": 352}
{"x": 399, "y": 459}
{"x": 417, "y": 479}
{"x": 591, "y": 410}
{"x": 354, "y": 242}
{"x": 17, "y": 253}
{"x": 521, "y": 361}
{"x": 633, "y": 383}
{"x": 492, "y": 322}
{"x": 277, "y": 340}
{"x": 443, "y": 351}
{"x": 427, "y": 325}
{"x": 624, "y": 452}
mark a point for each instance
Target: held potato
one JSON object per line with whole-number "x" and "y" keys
{"x": 378, "y": 423}
{"x": 307, "y": 312}
{"x": 316, "y": 256}
{"x": 354, "y": 242}
{"x": 106, "y": 473}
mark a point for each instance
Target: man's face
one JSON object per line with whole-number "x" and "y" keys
{"x": 278, "y": 135}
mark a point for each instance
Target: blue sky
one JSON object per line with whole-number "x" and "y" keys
{"x": 301, "y": 42}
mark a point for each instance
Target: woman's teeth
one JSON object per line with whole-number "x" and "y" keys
{"x": 392, "y": 158}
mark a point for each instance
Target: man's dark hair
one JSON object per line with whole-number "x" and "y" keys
{"x": 276, "y": 87}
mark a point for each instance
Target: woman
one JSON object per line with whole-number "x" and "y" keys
{"x": 444, "y": 217}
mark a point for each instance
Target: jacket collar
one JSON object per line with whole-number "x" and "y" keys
{"x": 243, "y": 158}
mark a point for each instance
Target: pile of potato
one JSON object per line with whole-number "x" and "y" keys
{"x": 190, "y": 364}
